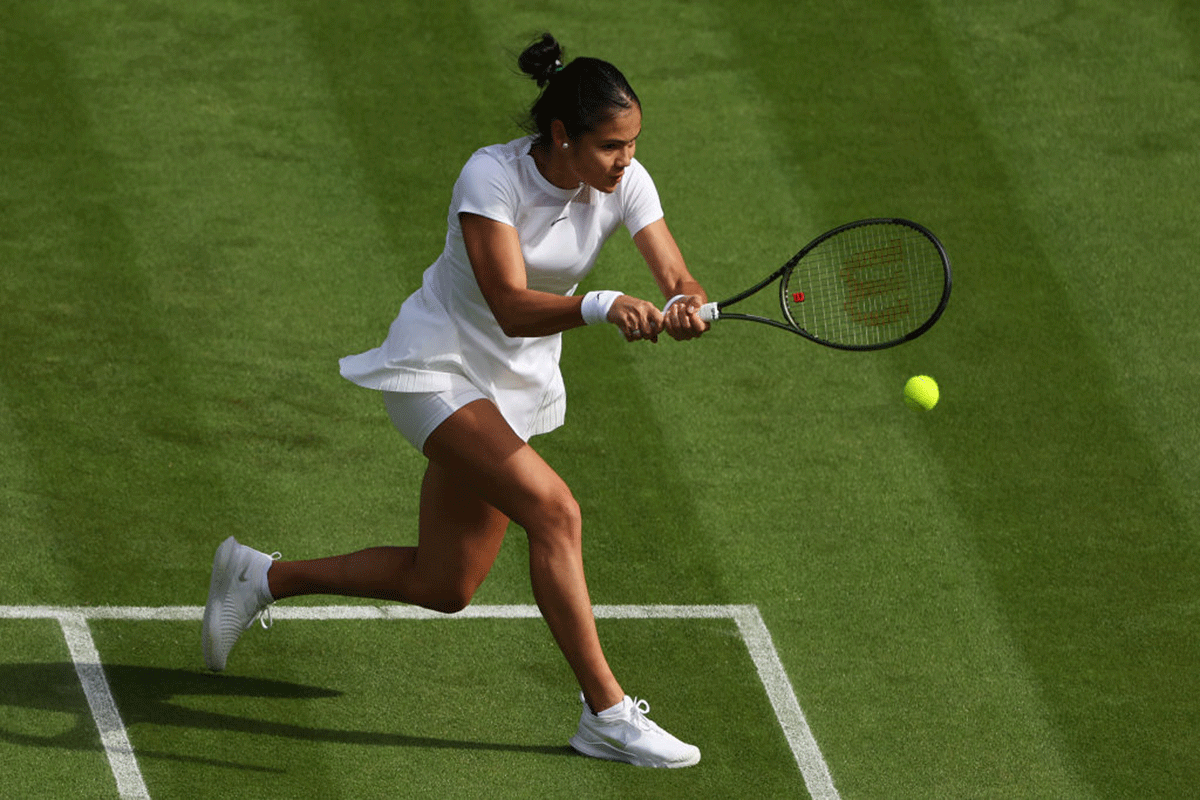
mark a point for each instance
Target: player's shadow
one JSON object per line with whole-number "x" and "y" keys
{"x": 148, "y": 694}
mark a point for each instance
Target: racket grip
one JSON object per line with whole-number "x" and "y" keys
{"x": 708, "y": 312}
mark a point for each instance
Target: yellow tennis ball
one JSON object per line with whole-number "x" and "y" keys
{"x": 921, "y": 393}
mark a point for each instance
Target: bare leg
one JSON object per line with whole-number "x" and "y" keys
{"x": 493, "y": 462}
{"x": 480, "y": 475}
{"x": 459, "y": 538}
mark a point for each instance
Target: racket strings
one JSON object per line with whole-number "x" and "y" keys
{"x": 866, "y": 285}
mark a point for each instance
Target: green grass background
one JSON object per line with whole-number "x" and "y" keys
{"x": 203, "y": 205}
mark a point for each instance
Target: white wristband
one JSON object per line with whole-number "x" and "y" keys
{"x": 596, "y": 305}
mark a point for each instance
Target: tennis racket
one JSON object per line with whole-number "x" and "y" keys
{"x": 866, "y": 285}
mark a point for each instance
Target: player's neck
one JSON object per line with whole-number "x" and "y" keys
{"x": 553, "y": 166}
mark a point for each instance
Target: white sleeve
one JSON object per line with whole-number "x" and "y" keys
{"x": 640, "y": 203}
{"x": 485, "y": 188}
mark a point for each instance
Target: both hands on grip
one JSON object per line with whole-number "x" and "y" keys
{"x": 639, "y": 319}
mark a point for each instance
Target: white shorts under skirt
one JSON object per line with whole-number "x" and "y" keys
{"x": 417, "y": 414}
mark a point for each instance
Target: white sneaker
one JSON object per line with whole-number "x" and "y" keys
{"x": 624, "y": 733}
{"x": 234, "y": 600}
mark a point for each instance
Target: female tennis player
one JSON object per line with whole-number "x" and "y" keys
{"x": 469, "y": 371}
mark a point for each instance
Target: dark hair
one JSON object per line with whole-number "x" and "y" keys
{"x": 583, "y": 94}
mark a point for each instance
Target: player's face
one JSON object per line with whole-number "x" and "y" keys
{"x": 599, "y": 157}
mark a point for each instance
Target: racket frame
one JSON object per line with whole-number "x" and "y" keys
{"x": 717, "y": 310}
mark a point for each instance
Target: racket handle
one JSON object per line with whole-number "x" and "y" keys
{"x": 708, "y": 312}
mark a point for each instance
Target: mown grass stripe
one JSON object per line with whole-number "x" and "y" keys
{"x": 875, "y": 120}
{"x": 1090, "y": 513}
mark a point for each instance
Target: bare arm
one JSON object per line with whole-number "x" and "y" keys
{"x": 658, "y": 248}
{"x": 499, "y": 267}
{"x": 495, "y": 254}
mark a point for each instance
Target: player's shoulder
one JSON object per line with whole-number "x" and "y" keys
{"x": 492, "y": 180}
{"x": 636, "y": 175}
{"x": 637, "y": 180}
{"x": 496, "y": 168}
{"x": 500, "y": 156}
{"x": 638, "y": 169}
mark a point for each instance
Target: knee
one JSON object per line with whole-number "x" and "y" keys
{"x": 450, "y": 599}
{"x": 446, "y": 593}
{"x": 558, "y": 522}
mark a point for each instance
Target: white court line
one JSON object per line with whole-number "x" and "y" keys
{"x": 787, "y": 708}
{"x": 749, "y": 621}
{"x": 104, "y": 709}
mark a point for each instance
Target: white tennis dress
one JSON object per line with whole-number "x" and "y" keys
{"x": 445, "y": 328}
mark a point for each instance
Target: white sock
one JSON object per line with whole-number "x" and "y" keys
{"x": 612, "y": 711}
{"x": 264, "y": 586}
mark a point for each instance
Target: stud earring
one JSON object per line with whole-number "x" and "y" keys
{"x": 566, "y": 145}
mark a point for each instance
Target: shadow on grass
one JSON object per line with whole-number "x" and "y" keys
{"x": 145, "y": 695}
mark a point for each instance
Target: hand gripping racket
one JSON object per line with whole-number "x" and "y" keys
{"x": 866, "y": 285}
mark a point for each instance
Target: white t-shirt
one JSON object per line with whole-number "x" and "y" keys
{"x": 446, "y": 327}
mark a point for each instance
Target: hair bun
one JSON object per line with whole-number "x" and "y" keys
{"x": 541, "y": 59}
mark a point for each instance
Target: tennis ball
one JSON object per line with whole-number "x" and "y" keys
{"x": 921, "y": 393}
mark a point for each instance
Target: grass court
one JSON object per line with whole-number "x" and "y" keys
{"x": 203, "y": 205}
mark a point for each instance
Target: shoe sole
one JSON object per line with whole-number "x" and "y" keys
{"x": 609, "y": 753}
{"x": 218, "y": 588}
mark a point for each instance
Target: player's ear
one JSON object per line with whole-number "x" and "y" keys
{"x": 558, "y": 133}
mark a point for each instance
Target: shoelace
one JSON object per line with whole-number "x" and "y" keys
{"x": 263, "y": 617}
{"x": 638, "y": 714}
